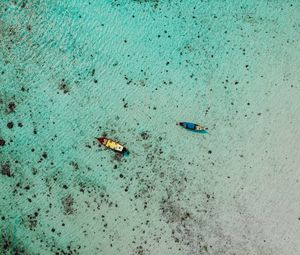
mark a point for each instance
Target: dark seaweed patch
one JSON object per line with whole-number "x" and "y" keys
{"x": 5, "y": 169}
{"x": 74, "y": 165}
{"x": 68, "y": 203}
{"x": 10, "y": 246}
{"x": 63, "y": 86}
{"x": 31, "y": 221}
{"x": 2, "y": 142}
{"x": 173, "y": 212}
{"x": 5, "y": 242}
{"x": 11, "y": 107}
{"x": 145, "y": 135}
{"x": 28, "y": 27}
{"x": 140, "y": 250}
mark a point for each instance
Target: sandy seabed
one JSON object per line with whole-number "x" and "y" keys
{"x": 130, "y": 70}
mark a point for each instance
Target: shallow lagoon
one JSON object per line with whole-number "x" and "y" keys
{"x": 130, "y": 70}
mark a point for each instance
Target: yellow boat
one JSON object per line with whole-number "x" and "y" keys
{"x": 113, "y": 145}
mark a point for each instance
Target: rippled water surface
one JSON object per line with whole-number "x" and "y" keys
{"x": 71, "y": 71}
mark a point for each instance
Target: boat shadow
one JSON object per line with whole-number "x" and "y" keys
{"x": 199, "y": 131}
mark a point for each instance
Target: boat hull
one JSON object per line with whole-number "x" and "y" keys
{"x": 113, "y": 145}
{"x": 192, "y": 126}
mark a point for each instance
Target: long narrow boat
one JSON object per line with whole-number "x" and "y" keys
{"x": 192, "y": 126}
{"x": 113, "y": 145}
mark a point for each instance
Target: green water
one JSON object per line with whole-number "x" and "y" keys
{"x": 130, "y": 70}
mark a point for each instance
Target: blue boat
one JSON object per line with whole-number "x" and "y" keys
{"x": 193, "y": 126}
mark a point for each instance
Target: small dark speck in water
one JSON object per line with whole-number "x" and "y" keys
{"x": 10, "y": 125}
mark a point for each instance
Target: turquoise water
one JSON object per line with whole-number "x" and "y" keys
{"x": 130, "y": 70}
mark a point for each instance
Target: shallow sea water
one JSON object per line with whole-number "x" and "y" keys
{"x": 130, "y": 70}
